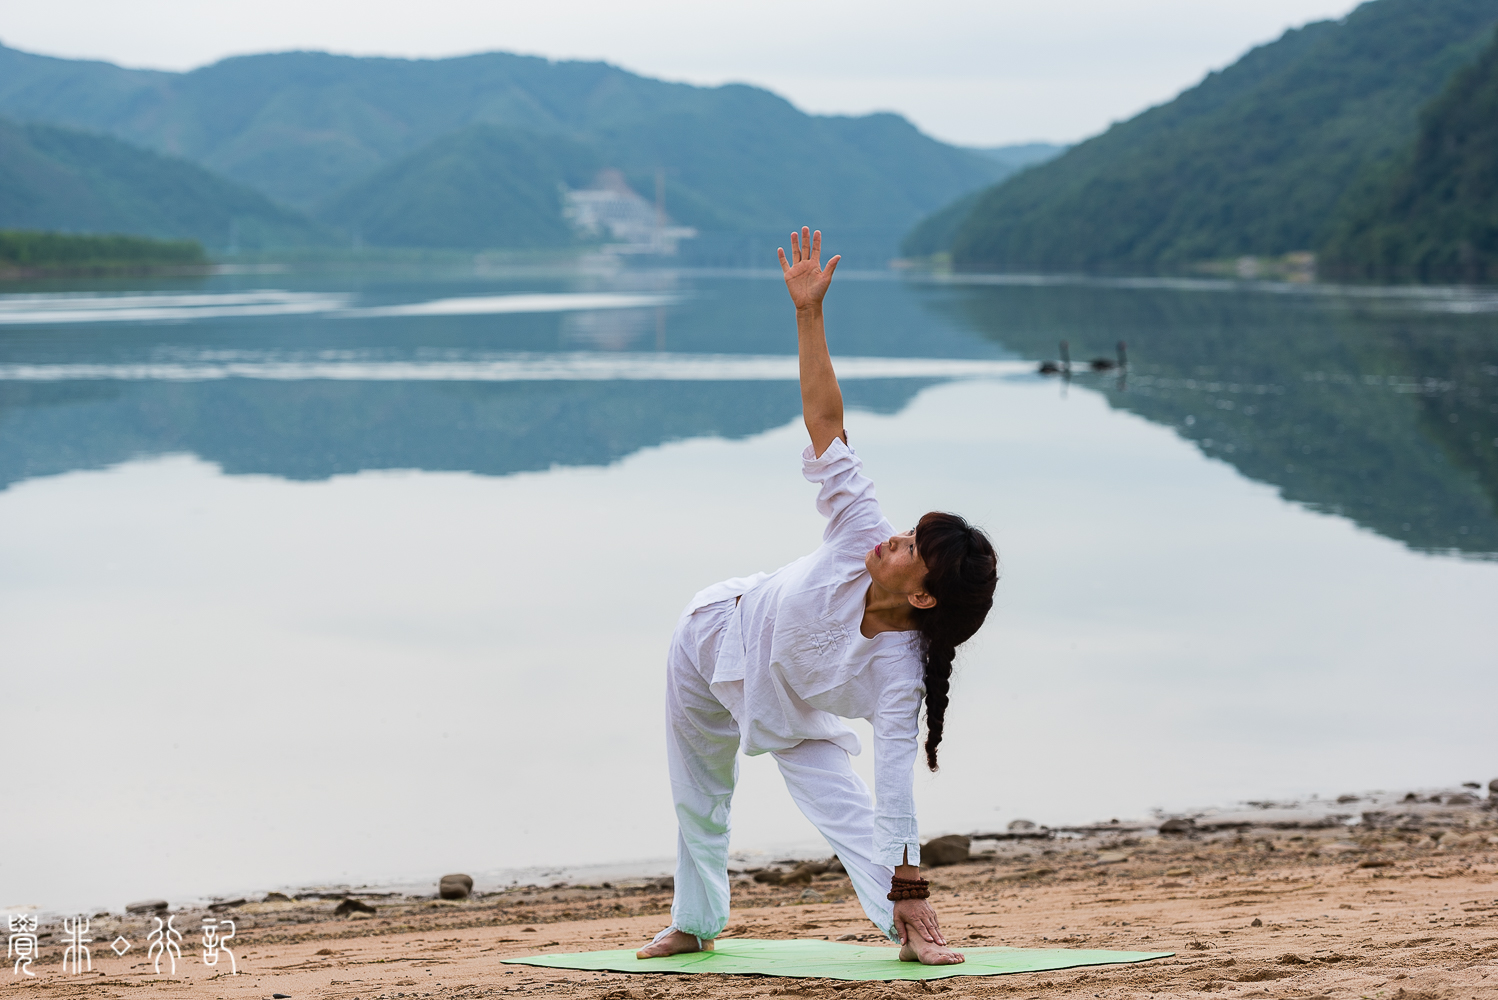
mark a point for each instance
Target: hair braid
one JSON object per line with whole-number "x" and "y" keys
{"x": 962, "y": 570}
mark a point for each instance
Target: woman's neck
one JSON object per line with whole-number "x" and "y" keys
{"x": 885, "y": 611}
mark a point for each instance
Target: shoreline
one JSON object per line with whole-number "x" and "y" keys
{"x": 1279, "y": 899}
{"x": 1406, "y": 900}
{"x": 1435, "y": 806}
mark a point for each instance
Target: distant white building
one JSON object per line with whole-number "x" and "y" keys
{"x": 611, "y": 206}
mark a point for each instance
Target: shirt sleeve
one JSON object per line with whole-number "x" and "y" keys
{"x": 846, "y": 497}
{"x": 897, "y": 731}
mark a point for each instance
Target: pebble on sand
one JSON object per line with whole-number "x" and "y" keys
{"x": 351, "y": 906}
{"x": 455, "y": 887}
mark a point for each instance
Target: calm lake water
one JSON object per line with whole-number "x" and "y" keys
{"x": 365, "y": 578}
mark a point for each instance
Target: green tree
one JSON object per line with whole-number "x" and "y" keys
{"x": 1433, "y": 214}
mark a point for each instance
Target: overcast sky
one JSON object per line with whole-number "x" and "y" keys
{"x": 977, "y": 72}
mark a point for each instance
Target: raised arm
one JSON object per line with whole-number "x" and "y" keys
{"x": 807, "y": 281}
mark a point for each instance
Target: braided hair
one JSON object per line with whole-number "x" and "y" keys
{"x": 962, "y": 570}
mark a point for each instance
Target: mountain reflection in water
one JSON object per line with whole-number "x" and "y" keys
{"x": 1378, "y": 410}
{"x": 1372, "y": 408}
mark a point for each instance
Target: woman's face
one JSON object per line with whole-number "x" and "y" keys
{"x": 896, "y": 566}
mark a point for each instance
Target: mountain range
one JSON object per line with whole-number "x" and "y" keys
{"x": 62, "y": 179}
{"x": 410, "y": 151}
{"x": 1433, "y": 213}
{"x": 1265, "y": 157}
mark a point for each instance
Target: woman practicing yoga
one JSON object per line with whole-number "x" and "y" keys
{"x": 863, "y": 628}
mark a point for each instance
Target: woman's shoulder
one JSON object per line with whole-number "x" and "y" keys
{"x": 896, "y": 658}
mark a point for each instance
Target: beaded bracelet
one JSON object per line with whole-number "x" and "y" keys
{"x": 908, "y": 888}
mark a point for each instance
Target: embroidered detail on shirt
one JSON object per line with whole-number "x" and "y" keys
{"x": 828, "y": 640}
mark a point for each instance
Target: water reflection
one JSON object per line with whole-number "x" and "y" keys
{"x": 1377, "y": 407}
{"x": 1381, "y": 410}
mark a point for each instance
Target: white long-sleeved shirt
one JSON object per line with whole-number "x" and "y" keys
{"x": 794, "y": 662}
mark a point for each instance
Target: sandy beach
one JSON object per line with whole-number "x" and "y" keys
{"x": 1265, "y": 903}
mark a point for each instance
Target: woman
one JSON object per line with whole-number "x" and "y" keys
{"x": 864, "y": 627}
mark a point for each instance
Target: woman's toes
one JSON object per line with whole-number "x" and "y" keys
{"x": 930, "y": 954}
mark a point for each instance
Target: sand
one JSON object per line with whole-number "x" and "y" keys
{"x": 1377, "y": 914}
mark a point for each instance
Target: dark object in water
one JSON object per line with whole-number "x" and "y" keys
{"x": 352, "y": 906}
{"x": 1049, "y": 368}
{"x": 1108, "y": 364}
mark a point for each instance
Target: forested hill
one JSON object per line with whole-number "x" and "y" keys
{"x": 305, "y": 127}
{"x": 62, "y": 179}
{"x": 1434, "y": 213}
{"x": 1253, "y": 160}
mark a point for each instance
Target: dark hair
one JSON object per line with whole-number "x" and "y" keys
{"x": 962, "y": 570}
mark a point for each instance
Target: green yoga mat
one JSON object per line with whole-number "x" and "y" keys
{"x": 831, "y": 960}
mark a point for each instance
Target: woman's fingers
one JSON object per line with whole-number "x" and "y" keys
{"x": 807, "y": 245}
{"x": 784, "y": 266}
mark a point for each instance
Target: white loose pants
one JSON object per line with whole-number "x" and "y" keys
{"x": 702, "y": 744}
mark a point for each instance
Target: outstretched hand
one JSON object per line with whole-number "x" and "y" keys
{"x": 805, "y": 278}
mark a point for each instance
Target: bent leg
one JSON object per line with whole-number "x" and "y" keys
{"x": 702, "y": 743}
{"x": 821, "y": 779}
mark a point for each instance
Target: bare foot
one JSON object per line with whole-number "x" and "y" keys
{"x": 918, "y": 949}
{"x": 674, "y": 943}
